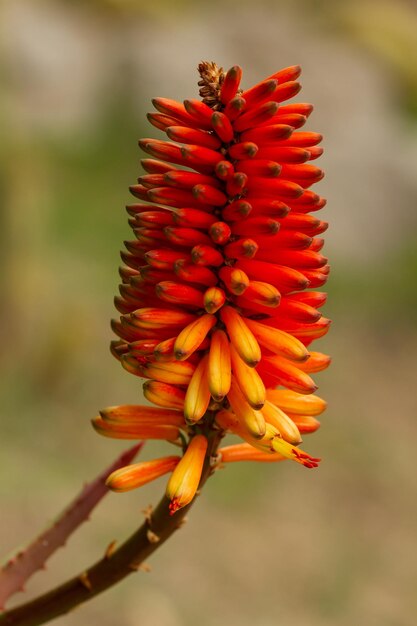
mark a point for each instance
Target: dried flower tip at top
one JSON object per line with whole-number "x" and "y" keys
{"x": 212, "y": 77}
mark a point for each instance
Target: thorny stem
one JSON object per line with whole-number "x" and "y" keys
{"x": 158, "y": 526}
{"x": 32, "y": 558}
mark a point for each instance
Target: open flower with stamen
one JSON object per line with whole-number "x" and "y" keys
{"x": 218, "y": 301}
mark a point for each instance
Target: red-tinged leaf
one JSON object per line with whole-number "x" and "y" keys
{"x": 32, "y": 558}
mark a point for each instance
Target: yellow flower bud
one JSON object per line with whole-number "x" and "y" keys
{"x": 183, "y": 484}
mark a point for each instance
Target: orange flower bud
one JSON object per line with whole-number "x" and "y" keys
{"x": 246, "y": 452}
{"x": 250, "y": 420}
{"x": 183, "y": 484}
{"x": 191, "y": 337}
{"x": 197, "y": 397}
{"x": 138, "y": 474}
{"x": 214, "y": 298}
{"x": 135, "y": 431}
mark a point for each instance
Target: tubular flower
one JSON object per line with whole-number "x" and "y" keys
{"x": 218, "y": 301}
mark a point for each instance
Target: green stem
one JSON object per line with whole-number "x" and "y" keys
{"x": 111, "y": 568}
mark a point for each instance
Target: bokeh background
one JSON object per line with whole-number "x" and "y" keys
{"x": 265, "y": 544}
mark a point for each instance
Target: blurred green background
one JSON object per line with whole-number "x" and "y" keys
{"x": 265, "y": 544}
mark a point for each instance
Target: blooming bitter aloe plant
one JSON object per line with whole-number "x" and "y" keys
{"x": 215, "y": 311}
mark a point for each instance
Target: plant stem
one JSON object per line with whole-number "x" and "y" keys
{"x": 32, "y": 558}
{"x": 111, "y": 568}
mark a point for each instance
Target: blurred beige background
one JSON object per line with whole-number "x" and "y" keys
{"x": 265, "y": 544}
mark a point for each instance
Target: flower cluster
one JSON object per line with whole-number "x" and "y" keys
{"x": 213, "y": 301}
